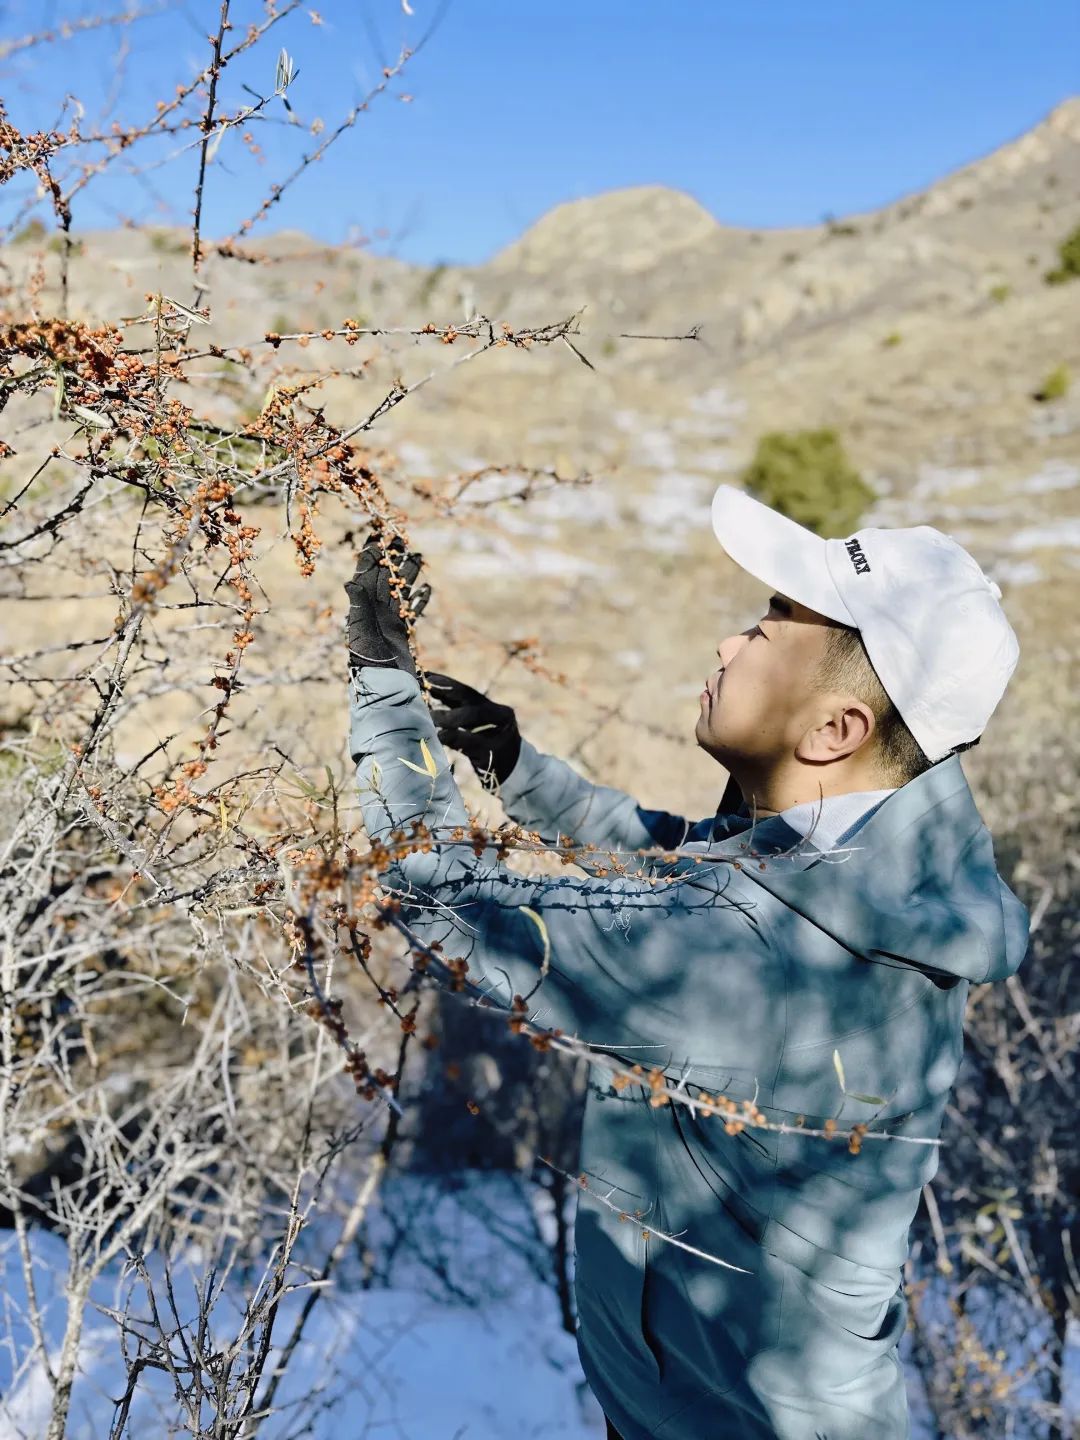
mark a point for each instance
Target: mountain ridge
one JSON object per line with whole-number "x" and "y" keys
{"x": 561, "y": 227}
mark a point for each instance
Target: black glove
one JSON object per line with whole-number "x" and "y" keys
{"x": 485, "y": 732}
{"x": 378, "y": 633}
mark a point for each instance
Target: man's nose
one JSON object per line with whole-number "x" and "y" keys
{"x": 729, "y": 648}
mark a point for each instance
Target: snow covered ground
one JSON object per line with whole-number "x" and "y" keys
{"x": 459, "y": 1339}
{"x": 456, "y": 1336}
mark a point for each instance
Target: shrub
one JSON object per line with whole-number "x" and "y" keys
{"x": 1056, "y": 385}
{"x": 1000, "y": 293}
{"x": 32, "y": 233}
{"x": 430, "y": 284}
{"x": 806, "y": 475}
{"x": 1069, "y": 255}
{"x": 59, "y": 243}
{"x": 892, "y": 339}
{"x": 165, "y": 242}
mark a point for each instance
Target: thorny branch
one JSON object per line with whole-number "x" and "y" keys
{"x": 207, "y": 1005}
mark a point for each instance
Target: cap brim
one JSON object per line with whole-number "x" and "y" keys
{"x": 777, "y": 551}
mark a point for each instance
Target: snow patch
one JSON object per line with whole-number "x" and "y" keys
{"x": 585, "y": 504}
{"x": 484, "y": 1357}
{"x": 932, "y": 480}
{"x": 414, "y": 459}
{"x": 654, "y": 447}
{"x": 1059, "y": 535}
{"x": 555, "y": 563}
{"x": 1054, "y": 475}
{"x": 1017, "y": 572}
{"x": 719, "y": 403}
{"x": 716, "y": 459}
{"x": 677, "y": 504}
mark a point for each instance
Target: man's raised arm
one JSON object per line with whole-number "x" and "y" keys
{"x": 546, "y": 794}
{"x": 586, "y": 955}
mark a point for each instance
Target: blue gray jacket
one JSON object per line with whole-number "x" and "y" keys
{"x": 746, "y": 967}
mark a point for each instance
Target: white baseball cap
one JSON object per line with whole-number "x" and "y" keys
{"x": 931, "y": 621}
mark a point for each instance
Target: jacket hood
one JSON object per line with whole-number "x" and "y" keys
{"x": 916, "y": 884}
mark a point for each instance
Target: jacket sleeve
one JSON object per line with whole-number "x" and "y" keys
{"x": 547, "y": 795}
{"x": 611, "y": 960}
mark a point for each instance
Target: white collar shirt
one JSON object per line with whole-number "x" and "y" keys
{"x": 826, "y": 822}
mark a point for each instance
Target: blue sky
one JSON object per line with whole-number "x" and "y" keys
{"x": 770, "y": 113}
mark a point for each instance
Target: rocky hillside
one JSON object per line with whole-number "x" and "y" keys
{"x": 922, "y": 331}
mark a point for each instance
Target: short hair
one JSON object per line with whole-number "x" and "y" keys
{"x": 845, "y": 665}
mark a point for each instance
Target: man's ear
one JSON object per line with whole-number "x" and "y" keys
{"x": 840, "y": 732}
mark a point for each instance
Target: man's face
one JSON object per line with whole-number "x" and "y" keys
{"x": 759, "y": 702}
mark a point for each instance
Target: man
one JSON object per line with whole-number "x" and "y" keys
{"x": 809, "y": 954}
